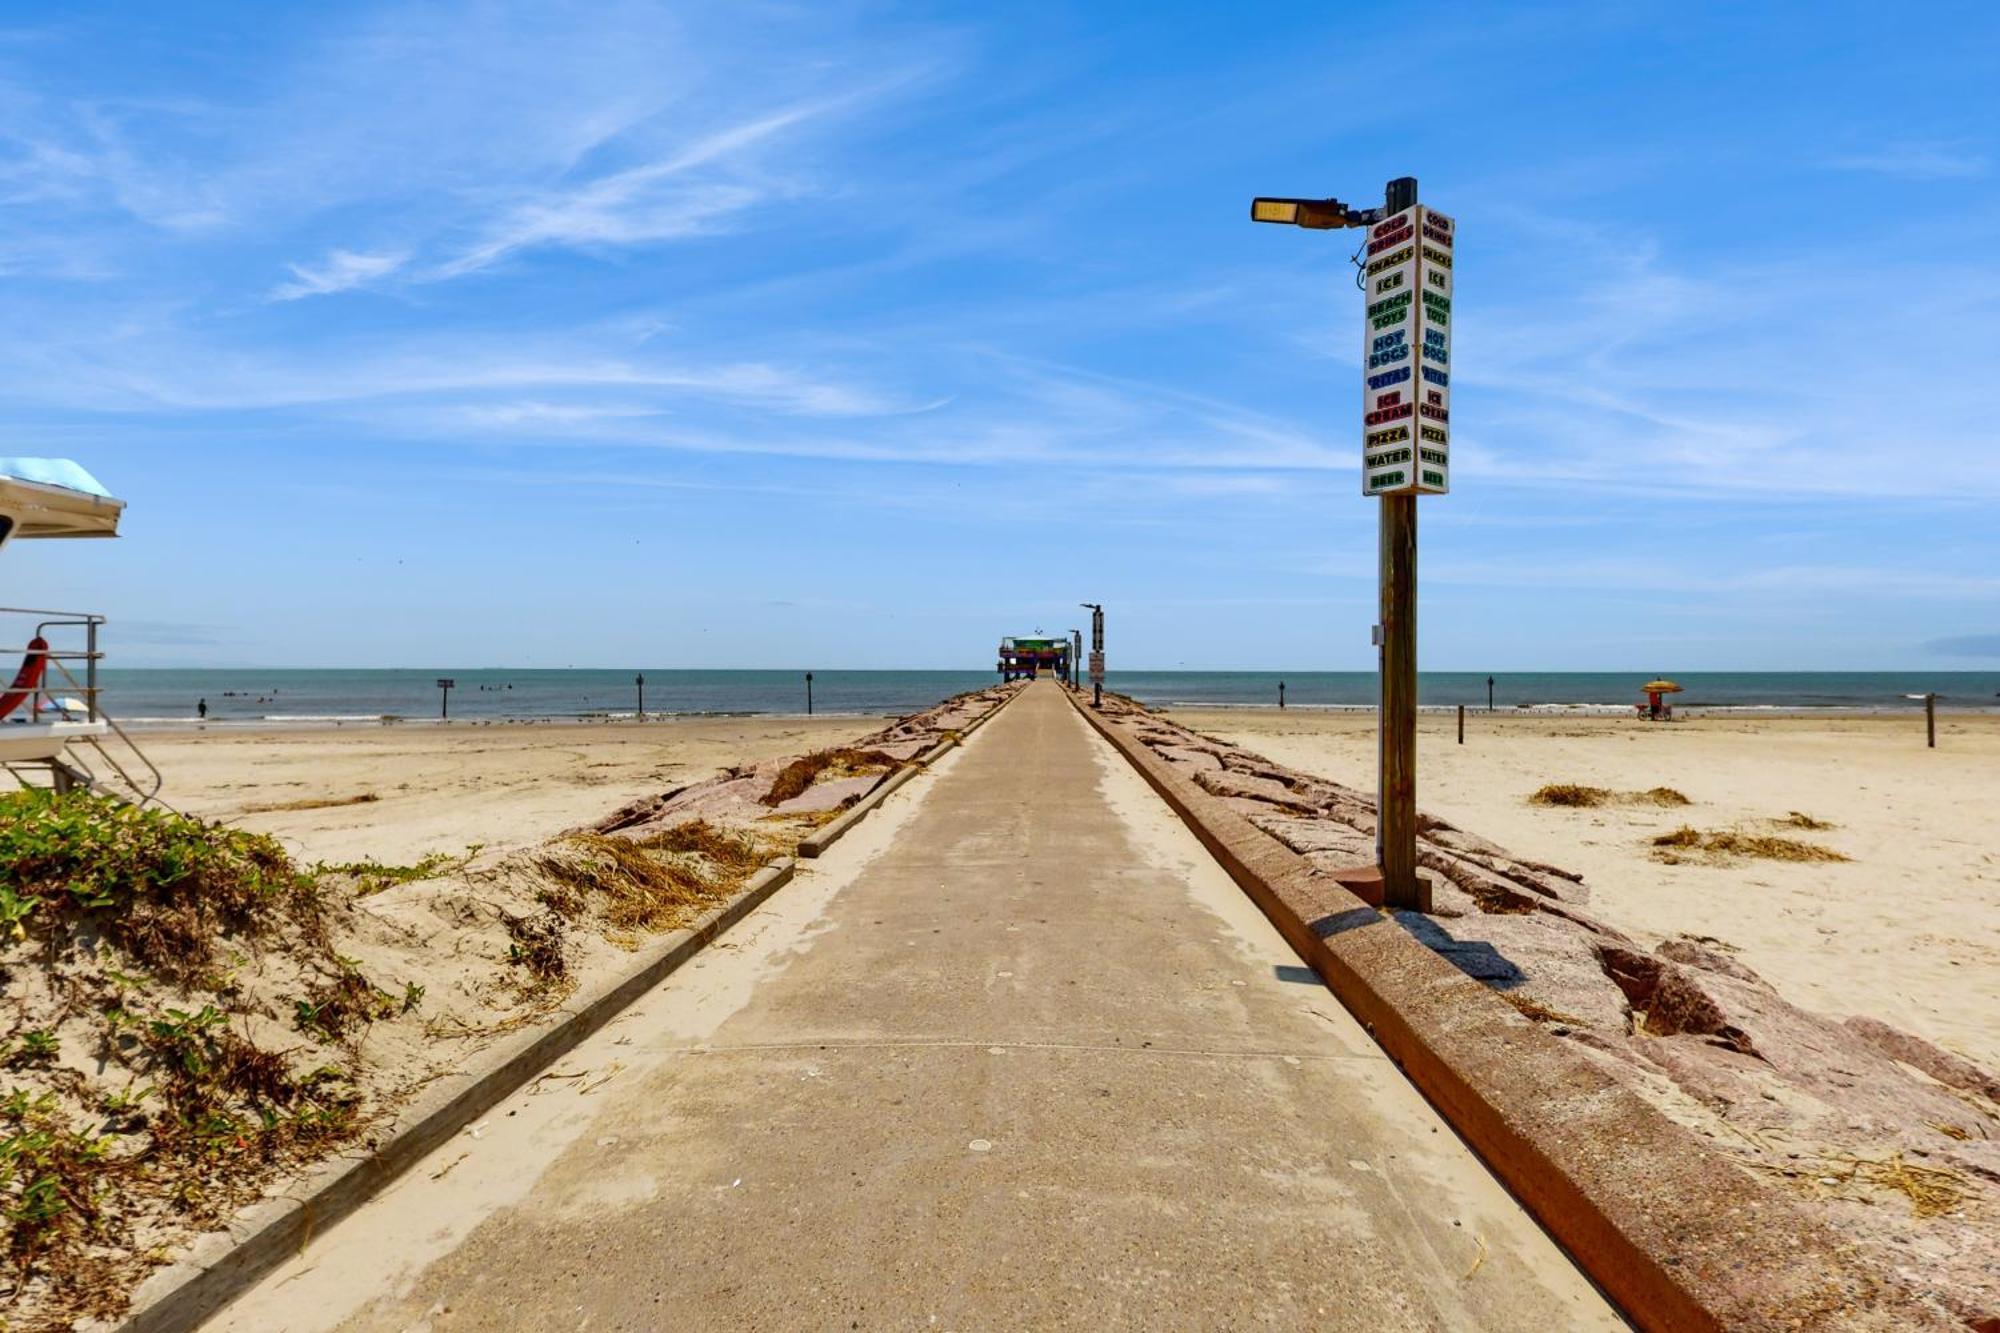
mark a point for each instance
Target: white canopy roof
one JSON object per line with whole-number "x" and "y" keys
{"x": 53, "y": 497}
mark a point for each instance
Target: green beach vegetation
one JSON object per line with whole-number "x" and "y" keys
{"x": 187, "y": 1023}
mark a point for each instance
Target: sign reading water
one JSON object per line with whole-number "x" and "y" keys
{"x": 1406, "y": 366}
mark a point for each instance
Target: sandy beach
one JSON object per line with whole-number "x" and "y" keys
{"x": 1908, "y": 929}
{"x": 398, "y": 793}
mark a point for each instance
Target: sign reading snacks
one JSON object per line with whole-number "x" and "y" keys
{"x": 1406, "y": 386}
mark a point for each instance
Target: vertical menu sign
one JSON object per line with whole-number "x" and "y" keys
{"x": 1406, "y": 389}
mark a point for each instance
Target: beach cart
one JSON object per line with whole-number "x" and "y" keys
{"x": 1656, "y": 709}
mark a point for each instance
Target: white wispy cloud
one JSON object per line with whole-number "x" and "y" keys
{"x": 1691, "y": 576}
{"x": 579, "y": 380}
{"x": 1916, "y": 161}
{"x": 340, "y": 271}
{"x": 77, "y": 161}
{"x": 686, "y": 192}
{"x": 469, "y": 132}
{"x": 1636, "y": 367}
{"x": 36, "y": 170}
{"x": 631, "y": 208}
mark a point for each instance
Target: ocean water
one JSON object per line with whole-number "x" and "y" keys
{"x": 300, "y": 697}
{"x": 1591, "y": 690}
{"x": 321, "y": 696}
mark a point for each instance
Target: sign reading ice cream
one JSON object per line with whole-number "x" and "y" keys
{"x": 1407, "y": 366}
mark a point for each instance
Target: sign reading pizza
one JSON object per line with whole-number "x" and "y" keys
{"x": 1406, "y": 361}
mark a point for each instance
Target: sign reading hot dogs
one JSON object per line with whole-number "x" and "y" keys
{"x": 1406, "y": 386}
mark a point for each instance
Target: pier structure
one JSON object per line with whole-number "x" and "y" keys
{"x": 1018, "y": 1053}
{"x": 1026, "y": 656}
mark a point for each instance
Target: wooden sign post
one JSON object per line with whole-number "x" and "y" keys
{"x": 1407, "y": 277}
{"x": 1406, "y": 452}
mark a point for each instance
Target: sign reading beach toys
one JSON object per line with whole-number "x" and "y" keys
{"x": 1406, "y": 385}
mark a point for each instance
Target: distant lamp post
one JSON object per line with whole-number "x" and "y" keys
{"x": 445, "y": 686}
{"x": 809, "y": 694}
{"x": 1075, "y": 658}
{"x": 640, "y": 681}
{"x": 1096, "y": 610}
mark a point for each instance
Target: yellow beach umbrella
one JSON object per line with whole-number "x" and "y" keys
{"x": 1660, "y": 687}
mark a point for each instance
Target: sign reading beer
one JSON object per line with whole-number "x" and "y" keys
{"x": 1406, "y": 366}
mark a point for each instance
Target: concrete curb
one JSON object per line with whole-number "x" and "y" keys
{"x": 815, "y": 844}
{"x": 222, "y": 1264}
{"x": 1673, "y": 1233}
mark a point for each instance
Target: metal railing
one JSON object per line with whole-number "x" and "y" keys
{"x": 90, "y": 655}
{"x": 58, "y": 684}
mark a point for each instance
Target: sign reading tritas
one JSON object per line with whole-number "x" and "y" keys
{"x": 1406, "y": 366}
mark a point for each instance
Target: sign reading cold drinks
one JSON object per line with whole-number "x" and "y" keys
{"x": 1406, "y": 365}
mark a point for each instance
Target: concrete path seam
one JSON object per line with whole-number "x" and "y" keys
{"x": 969, "y": 1043}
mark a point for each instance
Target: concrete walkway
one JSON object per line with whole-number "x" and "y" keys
{"x": 1028, "y": 1059}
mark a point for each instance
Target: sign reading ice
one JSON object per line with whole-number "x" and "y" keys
{"x": 1406, "y": 389}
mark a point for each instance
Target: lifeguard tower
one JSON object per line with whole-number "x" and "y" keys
{"x": 1025, "y": 656}
{"x": 54, "y": 731}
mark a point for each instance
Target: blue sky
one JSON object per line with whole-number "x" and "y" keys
{"x": 858, "y": 335}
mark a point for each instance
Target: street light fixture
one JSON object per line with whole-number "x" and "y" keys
{"x": 1313, "y": 214}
